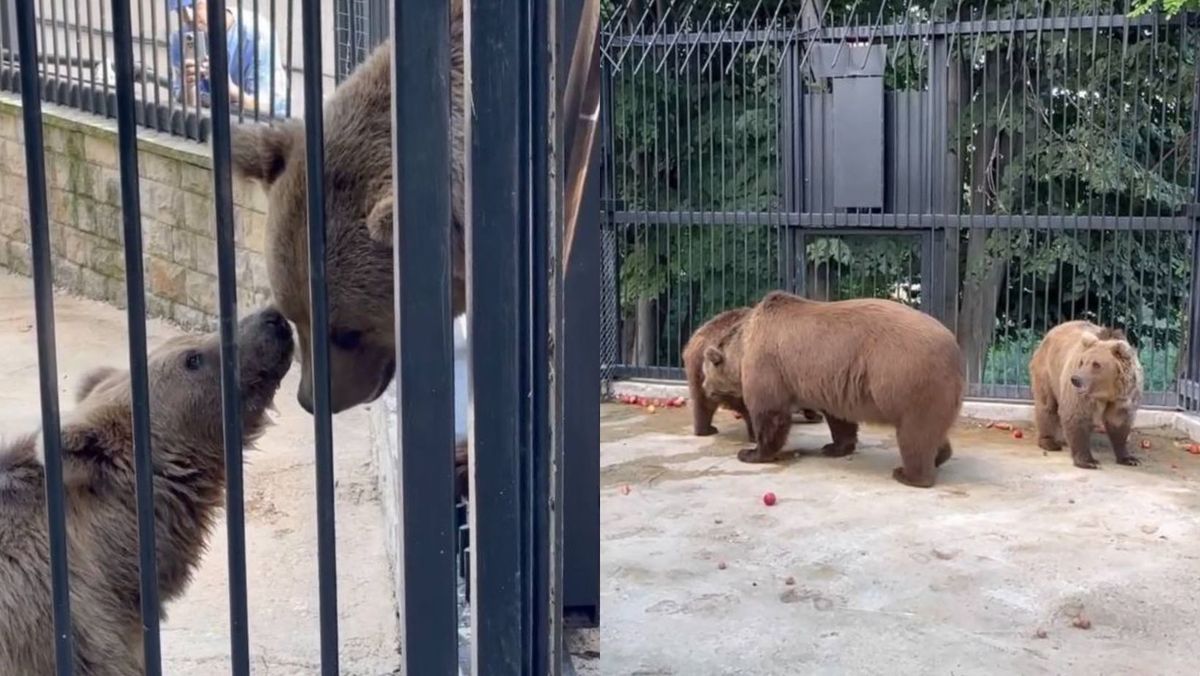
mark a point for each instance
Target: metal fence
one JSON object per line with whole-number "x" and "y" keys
{"x": 519, "y": 288}
{"x": 1004, "y": 166}
{"x": 77, "y": 59}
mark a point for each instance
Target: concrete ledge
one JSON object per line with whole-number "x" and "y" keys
{"x": 1184, "y": 423}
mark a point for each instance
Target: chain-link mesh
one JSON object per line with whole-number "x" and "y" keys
{"x": 610, "y": 343}
{"x": 353, "y": 38}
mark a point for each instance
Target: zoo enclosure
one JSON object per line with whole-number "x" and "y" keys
{"x": 535, "y": 362}
{"x": 1003, "y": 166}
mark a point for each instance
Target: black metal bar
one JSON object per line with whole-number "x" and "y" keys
{"x": 424, "y": 350}
{"x": 231, "y": 408}
{"x": 322, "y": 417}
{"x": 421, "y": 174}
{"x": 43, "y": 292}
{"x": 839, "y": 220}
{"x": 496, "y": 186}
{"x": 545, "y": 302}
{"x": 135, "y": 290}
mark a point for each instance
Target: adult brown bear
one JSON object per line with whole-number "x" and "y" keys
{"x": 358, "y": 212}
{"x": 1084, "y": 375}
{"x": 863, "y": 360}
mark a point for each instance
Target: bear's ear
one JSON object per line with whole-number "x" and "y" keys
{"x": 714, "y": 356}
{"x": 87, "y": 459}
{"x": 1123, "y": 350}
{"x": 91, "y": 379}
{"x": 379, "y": 221}
{"x": 1116, "y": 334}
{"x": 260, "y": 152}
{"x": 1088, "y": 339}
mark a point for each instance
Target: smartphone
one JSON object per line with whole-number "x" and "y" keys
{"x": 195, "y": 46}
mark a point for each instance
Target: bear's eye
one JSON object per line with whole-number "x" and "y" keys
{"x": 194, "y": 361}
{"x": 1095, "y": 366}
{"x": 346, "y": 339}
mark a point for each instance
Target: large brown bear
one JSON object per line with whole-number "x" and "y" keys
{"x": 704, "y": 407}
{"x": 863, "y": 360}
{"x": 358, "y": 213}
{"x": 1084, "y": 375}
{"x": 188, "y": 455}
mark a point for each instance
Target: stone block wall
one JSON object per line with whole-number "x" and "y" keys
{"x": 84, "y": 204}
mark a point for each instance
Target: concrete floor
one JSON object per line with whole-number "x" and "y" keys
{"x": 280, "y": 512}
{"x": 851, "y": 573}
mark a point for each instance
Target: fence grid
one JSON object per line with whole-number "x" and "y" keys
{"x": 1002, "y": 166}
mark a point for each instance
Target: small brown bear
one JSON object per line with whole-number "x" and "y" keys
{"x": 704, "y": 407}
{"x": 1085, "y": 375}
{"x": 862, "y": 360}
{"x": 188, "y": 456}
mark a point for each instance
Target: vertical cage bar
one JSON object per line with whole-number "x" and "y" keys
{"x": 497, "y": 194}
{"x": 135, "y": 289}
{"x": 421, "y": 173}
{"x": 231, "y": 409}
{"x": 43, "y": 290}
{"x": 322, "y": 416}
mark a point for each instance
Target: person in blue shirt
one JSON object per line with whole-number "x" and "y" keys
{"x": 254, "y": 61}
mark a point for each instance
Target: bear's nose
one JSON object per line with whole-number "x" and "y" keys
{"x": 275, "y": 319}
{"x": 1076, "y": 382}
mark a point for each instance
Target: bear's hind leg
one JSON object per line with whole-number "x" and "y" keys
{"x": 845, "y": 437}
{"x": 918, "y": 453}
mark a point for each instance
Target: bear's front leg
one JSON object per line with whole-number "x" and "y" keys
{"x": 703, "y": 409}
{"x": 772, "y": 427}
{"x": 1078, "y": 430}
{"x": 1117, "y": 425}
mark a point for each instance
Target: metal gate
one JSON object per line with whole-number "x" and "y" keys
{"x": 1002, "y": 166}
{"x": 529, "y": 296}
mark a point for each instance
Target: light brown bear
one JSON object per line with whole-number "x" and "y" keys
{"x": 704, "y": 407}
{"x": 1084, "y": 375}
{"x": 358, "y": 220}
{"x": 863, "y": 360}
{"x": 187, "y": 451}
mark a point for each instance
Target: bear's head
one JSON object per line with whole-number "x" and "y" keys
{"x": 722, "y": 367}
{"x": 186, "y": 430}
{"x": 1104, "y": 368}
{"x": 358, "y": 261}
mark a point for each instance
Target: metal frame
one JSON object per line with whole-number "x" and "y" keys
{"x": 539, "y": 356}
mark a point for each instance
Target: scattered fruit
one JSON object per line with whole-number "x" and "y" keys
{"x": 680, "y": 401}
{"x": 737, "y": 415}
{"x": 1194, "y": 449}
{"x": 1081, "y": 622}
{"x": 1040, "y": 633}
{"x": 1017, "y": 434}
{"x": 626, "y": 490}
{"x": 768, "y": 498}
{"x": 1003, "y": 427}
{"x": 721, "y": 565}
{"x": 650, "y": 408}
{"x": 990, "y": 424}
{"x": 1145, "y": 444}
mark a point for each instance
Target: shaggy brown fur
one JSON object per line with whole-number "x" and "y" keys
{"x": 864, "y": 360}
{"x": 358, "y": 207}
{"x": 1084, "y": 375}
{"x": 98, "y": 471}
{"x": 704, "y": 407}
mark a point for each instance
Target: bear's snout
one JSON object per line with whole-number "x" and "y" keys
{"x": 1076, "y": 381}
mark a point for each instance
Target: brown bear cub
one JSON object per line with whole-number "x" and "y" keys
{"x": 358, "y": 122}
{"x": 862, "y": 360}
{"x": 704, "y": 407}
{"x": 1084, "y": 375}
{"x": 98, "y": 472}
